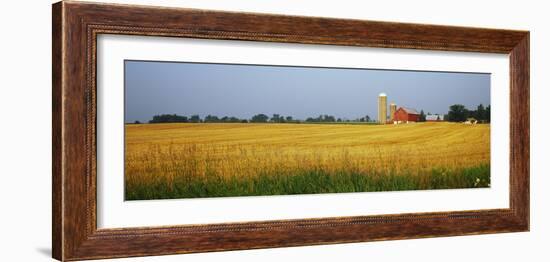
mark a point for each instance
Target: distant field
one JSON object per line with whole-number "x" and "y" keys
{"x": 214, "y": 160}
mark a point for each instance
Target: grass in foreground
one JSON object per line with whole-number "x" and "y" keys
{"x": 308, "y": 182}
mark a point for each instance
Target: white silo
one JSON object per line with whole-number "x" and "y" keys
{"x": 382, "y": 108}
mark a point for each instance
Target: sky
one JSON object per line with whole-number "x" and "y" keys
{"x": 153, "y": 88}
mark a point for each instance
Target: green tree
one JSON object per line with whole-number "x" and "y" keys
{"x": 480, "y": 113}
{"x": 422, "y": 116}
{"x": 457, "y": 113}
{"x": 167, "y": 118}
{"x": 195, "y": 119}
{"x": 488, "y": 114}
{"x": 211, "y": 119}
{"x": 259, "y": 118}
{"x": 275, "y": 118}
{"x": 328, "y": 118}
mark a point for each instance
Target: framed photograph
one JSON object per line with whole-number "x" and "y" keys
{"x": 183, "y": 130}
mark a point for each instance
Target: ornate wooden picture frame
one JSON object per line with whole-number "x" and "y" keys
{"x": 76, "y": 26}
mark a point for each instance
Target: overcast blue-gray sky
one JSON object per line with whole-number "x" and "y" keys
{"x": 153, "y": 88}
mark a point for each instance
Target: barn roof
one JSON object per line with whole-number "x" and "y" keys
{"x": 410, "y": 111}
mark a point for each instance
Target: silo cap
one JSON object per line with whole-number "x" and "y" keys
{"x": 382, "y": 94}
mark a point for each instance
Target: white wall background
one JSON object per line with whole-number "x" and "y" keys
{"x": 25, "y": 124}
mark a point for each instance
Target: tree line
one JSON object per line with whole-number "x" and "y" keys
{"x": 258, "y": 118}
{"x": 459, "y": 113}
{"x": 456, "y": 113}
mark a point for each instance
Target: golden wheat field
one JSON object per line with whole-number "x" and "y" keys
{"x": 207, "y": 159}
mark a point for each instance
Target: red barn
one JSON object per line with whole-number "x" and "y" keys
{"x": 404, "y": 115}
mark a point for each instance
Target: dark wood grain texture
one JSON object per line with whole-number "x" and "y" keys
{"x": 75, "y": 29}
{"x": 57, "y": 199}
